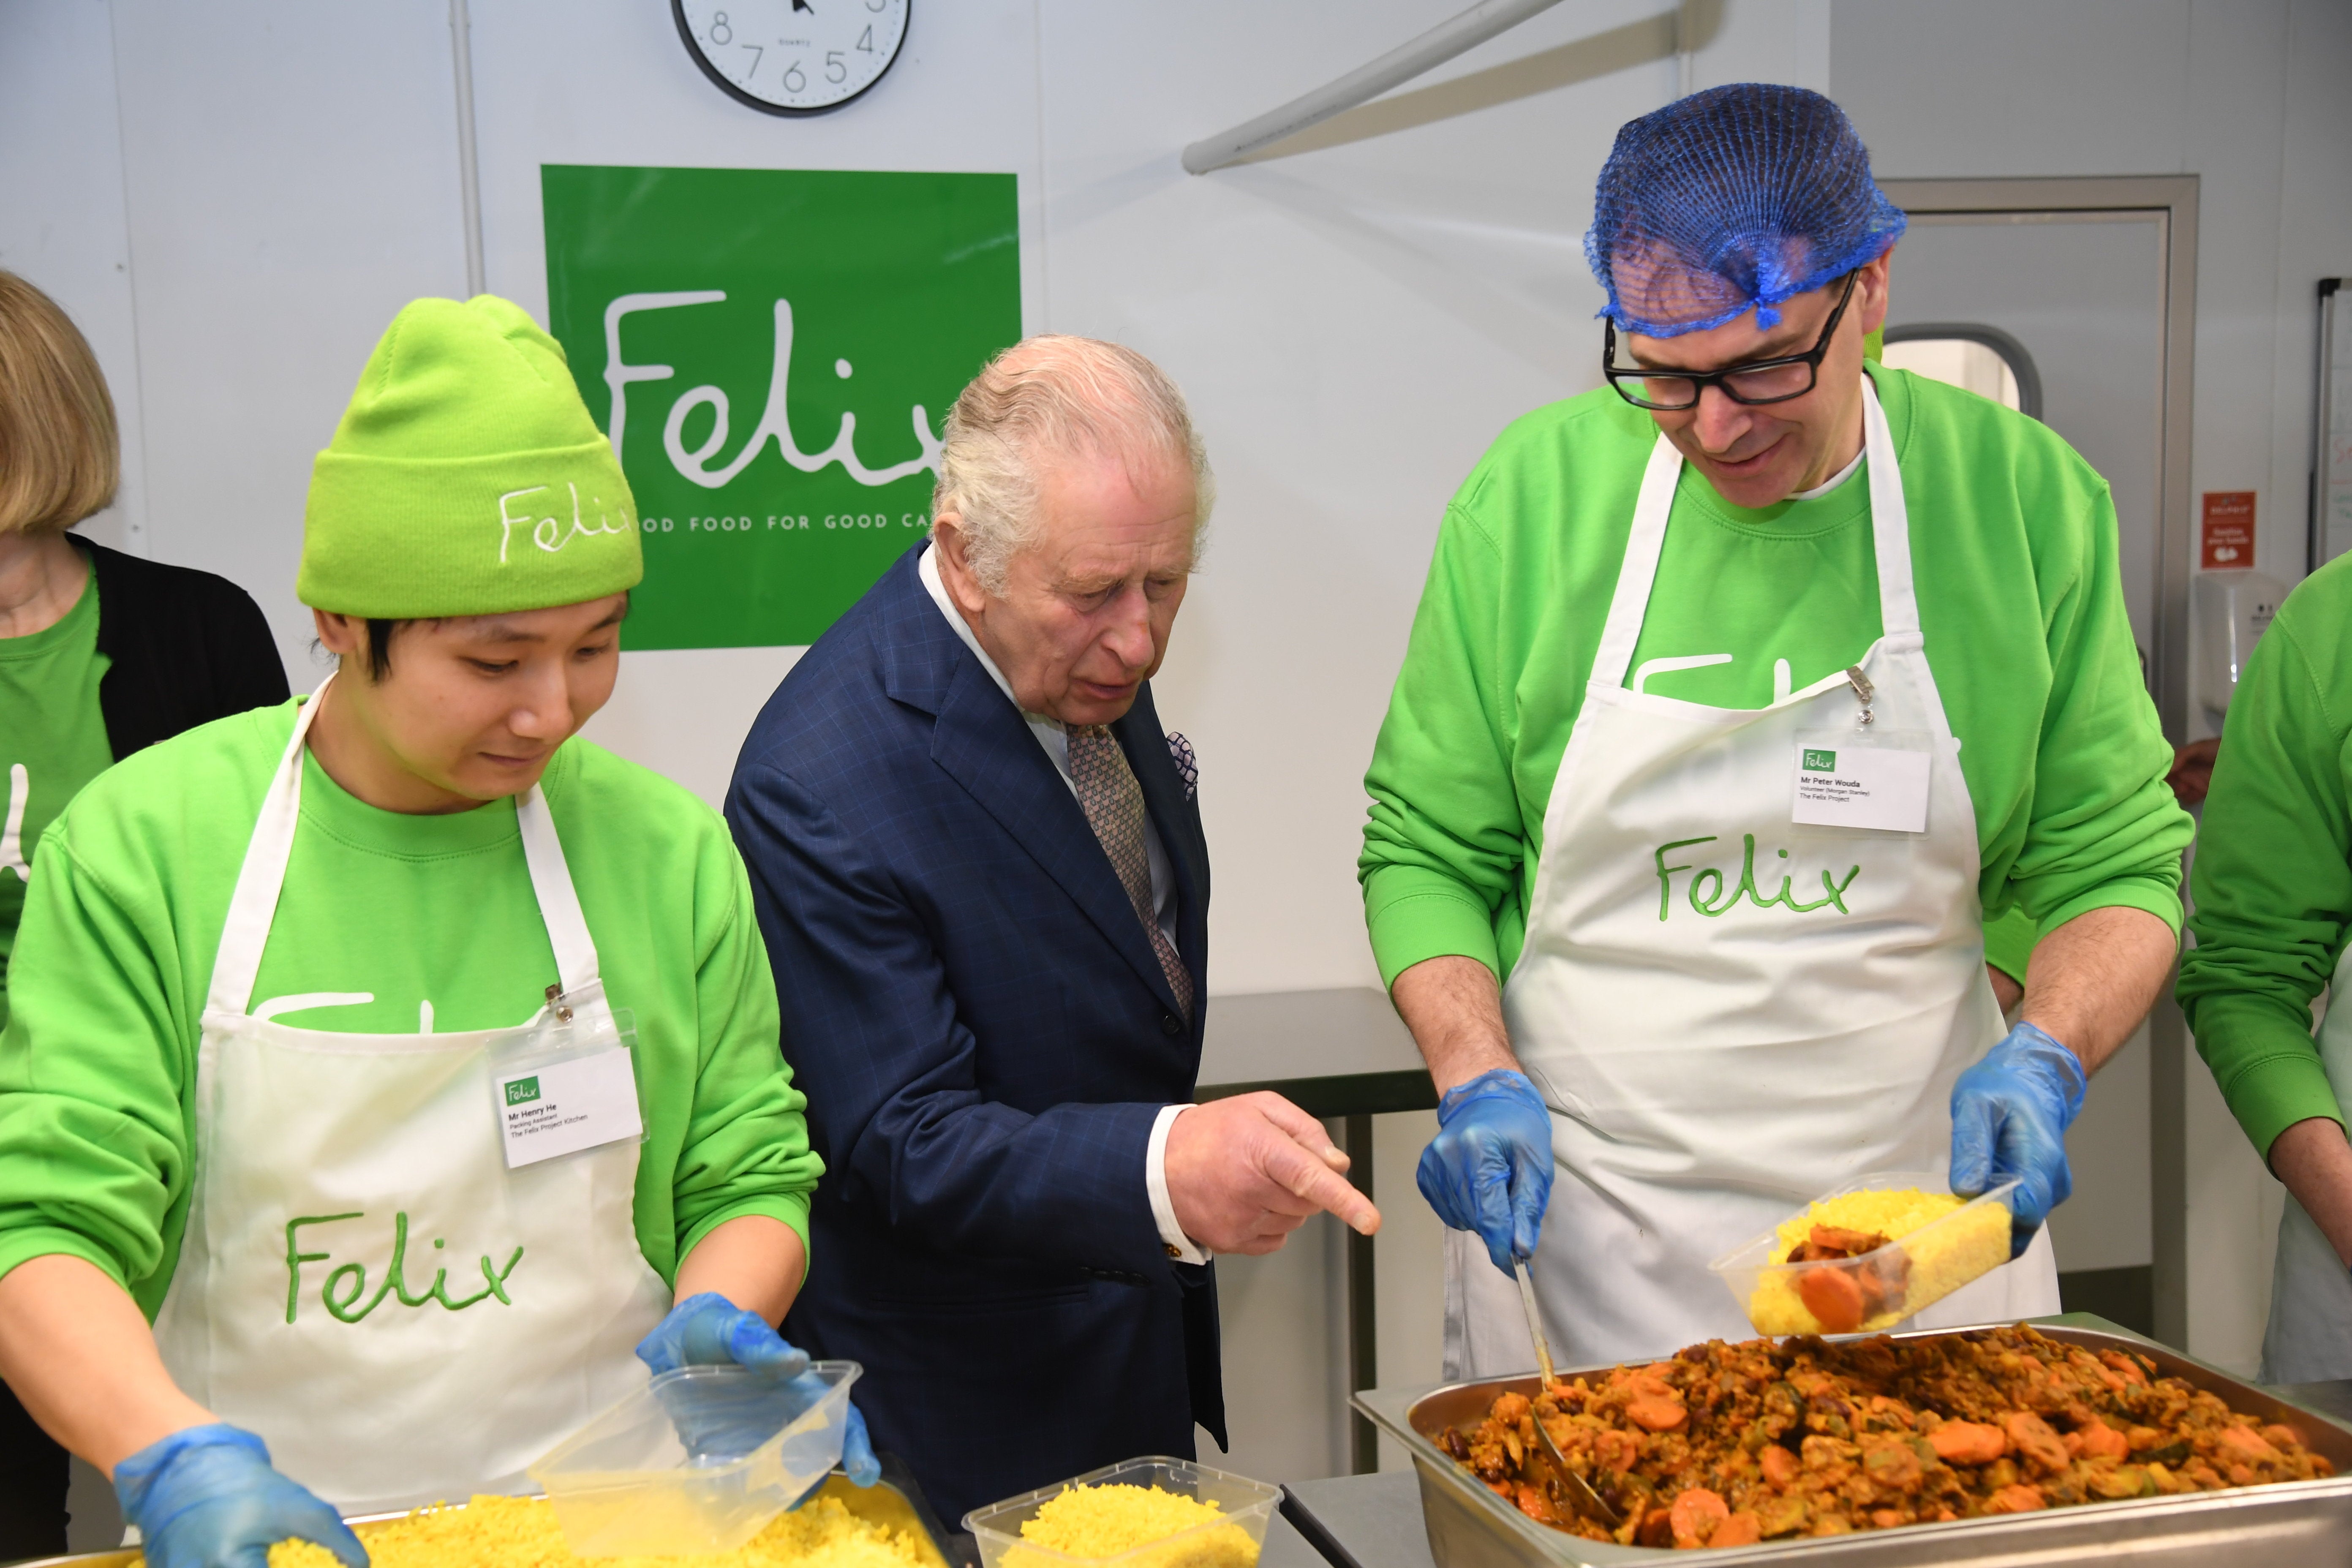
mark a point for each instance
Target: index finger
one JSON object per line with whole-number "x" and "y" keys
{"x": 1290, "y": 1166}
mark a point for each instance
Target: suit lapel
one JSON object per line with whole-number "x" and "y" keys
{"x": 981, "y": 741}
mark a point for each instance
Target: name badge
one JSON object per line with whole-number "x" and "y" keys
{"x": 1845, "y": 781}
{"x": 566, "y": 1085}
{"x": 566, "y": 1106}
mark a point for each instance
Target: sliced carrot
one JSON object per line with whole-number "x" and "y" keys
{"x": 1695, "y": 1516}
{"x": 2101, "y": 1441}
{"x": 1832, "y": 1297}
{"x": 2247, "y": 1443}
{"x": 2036, "y": 1441}
{"x": 1967, "y": 1443}
{"x": 1741, "y": 1529}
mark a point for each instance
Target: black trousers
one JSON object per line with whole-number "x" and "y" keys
{"x": 34, "y": 1475}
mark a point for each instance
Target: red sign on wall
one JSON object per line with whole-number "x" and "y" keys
{"x": 2228, "y": 531}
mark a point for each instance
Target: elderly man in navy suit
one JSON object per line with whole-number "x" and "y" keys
{"x": 979, "y": 864}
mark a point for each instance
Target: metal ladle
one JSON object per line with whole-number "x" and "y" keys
{"x": 1581, "y": 1494}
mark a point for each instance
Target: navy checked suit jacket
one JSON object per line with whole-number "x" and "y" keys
{"x": 974, "y": 1012}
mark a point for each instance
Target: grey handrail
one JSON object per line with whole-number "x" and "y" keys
{"x": 1434, "y": 48}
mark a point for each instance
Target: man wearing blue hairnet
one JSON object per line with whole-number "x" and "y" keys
{"x": 1741, "y": 689}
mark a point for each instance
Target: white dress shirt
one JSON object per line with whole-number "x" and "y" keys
{"x": 1055, "y": 739}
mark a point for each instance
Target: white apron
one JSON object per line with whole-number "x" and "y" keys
{"x": 2309, "y": 1337}
{"x": 363, "y": 1281}
{"x": 1709, "y": 1070}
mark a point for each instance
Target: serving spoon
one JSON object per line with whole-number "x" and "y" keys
{"x": 1581, "y": 1494}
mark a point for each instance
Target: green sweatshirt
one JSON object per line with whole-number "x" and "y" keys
{"x": 52, "y": 741}
{"x": 98, "y": 1064}
{"x": 2009, "y": 942}
{"x": 2013, "y": 552}
{"x": 2272, "y": 883}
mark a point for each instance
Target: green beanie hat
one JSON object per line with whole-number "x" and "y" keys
{"x": 466, "y": 478}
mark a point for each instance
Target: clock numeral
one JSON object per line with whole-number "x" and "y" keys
{"x": 877, "y": 4}
{"x": 794, "y": 80}
{"x": 756, "y": 52}
{"x": 866, "y": 39}
{"x": 721, "y": 33}
{"x": 837, "y": 69}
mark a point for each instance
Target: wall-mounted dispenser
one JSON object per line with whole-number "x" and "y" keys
{"x": 2233, "y": 609}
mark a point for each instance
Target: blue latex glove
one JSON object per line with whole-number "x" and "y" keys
{"x": 1489, "y": 1168}
{"x": 206, "y": 1497}
{"x": 708, "y": 1330}
{"x": 2010, "y": 1116}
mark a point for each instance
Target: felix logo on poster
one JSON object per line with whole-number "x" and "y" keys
{"x": 776, "y": 419}
{"x": 848, "y": 309}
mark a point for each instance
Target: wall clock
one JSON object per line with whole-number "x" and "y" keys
{"x": 792, "y": 56}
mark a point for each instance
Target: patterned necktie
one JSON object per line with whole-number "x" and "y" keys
{"x": 1113, "y": 802}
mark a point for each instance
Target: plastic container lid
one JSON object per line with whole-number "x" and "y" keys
{"x": 1245, "y": 1505}
{"x": 1874, "y": 1290}
{"x": 697, "y": 1460}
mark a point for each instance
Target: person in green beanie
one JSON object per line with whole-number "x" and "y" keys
{"x": 407, "y": 1061}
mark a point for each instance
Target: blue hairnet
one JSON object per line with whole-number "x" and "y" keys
{"x": 1736, "y": 197}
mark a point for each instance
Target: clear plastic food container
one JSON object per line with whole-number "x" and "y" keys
{"x": 1874, "y": 1290}
{"x": 1230, "y": 1542}
{"x": 697, "y": 1460}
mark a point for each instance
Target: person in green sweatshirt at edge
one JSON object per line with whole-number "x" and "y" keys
{"x": 406, "y": 1059}
{"x": 1740, "y": 689}
{"x": 2272, "y": 894}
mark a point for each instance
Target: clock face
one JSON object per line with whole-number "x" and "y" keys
{"x": 792, "y": 56}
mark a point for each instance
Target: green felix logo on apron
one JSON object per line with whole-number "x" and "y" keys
{"x": 346, "y": 1283}
{"x": 1706, "y": 888}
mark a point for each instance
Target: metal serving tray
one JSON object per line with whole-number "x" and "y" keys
{"x": 2293, "y": 1524}
{"x": 895, "y": 1500}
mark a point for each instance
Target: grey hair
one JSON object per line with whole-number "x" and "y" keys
{"x": 1056, "y": 396}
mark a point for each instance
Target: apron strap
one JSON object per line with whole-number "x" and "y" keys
{"x": 1631, "y": 602}
{"x": 237, "y": 963}
{"x": 236, "y": 966}
{"x": 1890, "y": 521}
{"x": 559, "y": 901}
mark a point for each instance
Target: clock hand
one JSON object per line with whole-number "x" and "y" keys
{"x": 803, "y": 6}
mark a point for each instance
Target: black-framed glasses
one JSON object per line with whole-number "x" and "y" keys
{"x": 1758, "y": 381}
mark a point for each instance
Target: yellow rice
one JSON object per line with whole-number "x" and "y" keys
{"x": 521, "y": 1532}
{"x": 1942, "y": 1261}
{"x": 1107, "y": 1521}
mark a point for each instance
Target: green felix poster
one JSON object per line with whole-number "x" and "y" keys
{"x": 773, "y": 352}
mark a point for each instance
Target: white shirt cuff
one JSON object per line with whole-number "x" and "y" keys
{"x": 1179, "y": 1246}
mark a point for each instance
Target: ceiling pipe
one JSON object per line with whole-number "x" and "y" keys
{"x": 1433, "y": 49}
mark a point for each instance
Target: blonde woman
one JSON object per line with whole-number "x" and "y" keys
{"x": 100, "y": 653}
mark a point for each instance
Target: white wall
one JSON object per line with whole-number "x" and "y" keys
{"x": 61, "y": 213}
{"x": 234, "y": 198}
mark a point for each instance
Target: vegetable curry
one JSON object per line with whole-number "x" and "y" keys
{"x": 1729, "y": 1443}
